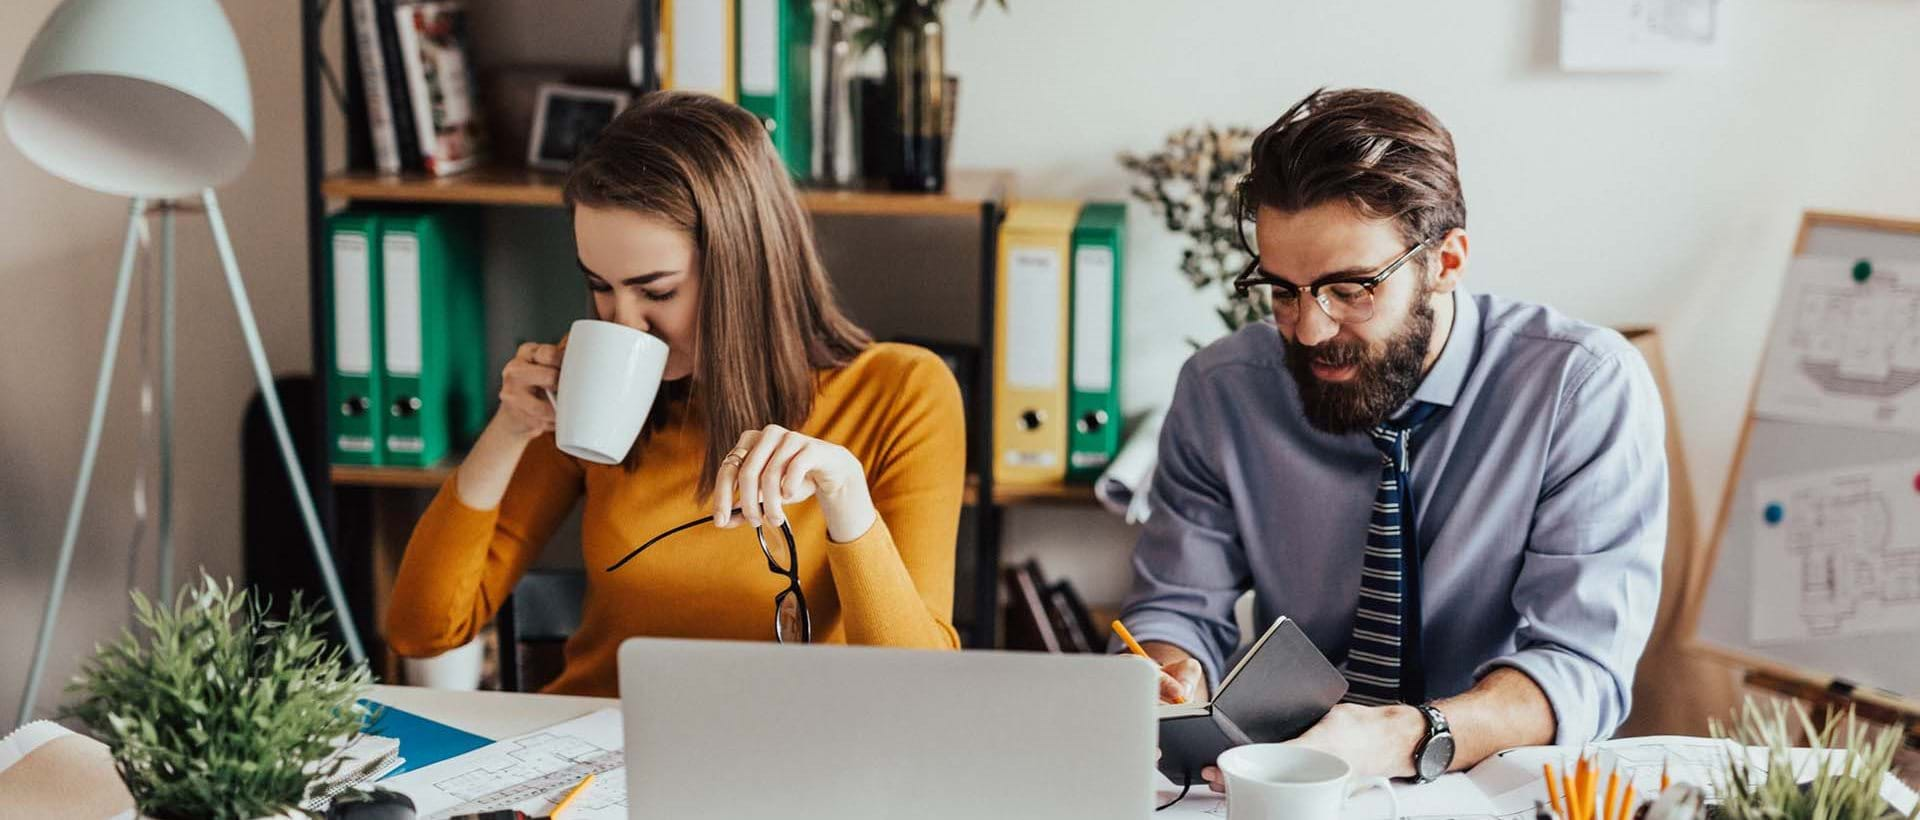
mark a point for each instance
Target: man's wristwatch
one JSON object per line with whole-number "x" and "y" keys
{"x": 1434, "y": 756}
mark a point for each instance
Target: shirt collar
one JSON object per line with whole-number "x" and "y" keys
{"x": 1448, "y": 376}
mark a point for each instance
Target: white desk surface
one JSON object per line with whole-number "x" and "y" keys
{"x": 492, "y": 715}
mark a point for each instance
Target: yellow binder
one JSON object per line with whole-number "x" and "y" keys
{"x": 699, "y": 37}
{"x": 1031, "y": 296}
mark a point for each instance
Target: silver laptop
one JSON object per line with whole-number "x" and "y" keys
{"x": 730, "y": 729}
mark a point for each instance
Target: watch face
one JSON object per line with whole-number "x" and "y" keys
{"x": 1436, "y": 757}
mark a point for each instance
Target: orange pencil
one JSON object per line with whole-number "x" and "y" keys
{"x": 1127, "y": 637}
{"x": 1664, "y": 780}
{"x": 1586, "y": 793}
{"x": 1626, "y": 802}
{"x": 1570, "y": 787}
{"x": 1613, "y": 791}
{"x": 1553, "y": 797}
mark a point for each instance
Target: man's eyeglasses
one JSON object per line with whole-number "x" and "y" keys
{"x": 1346, "y": 301}
{"x": 791, "y": 621}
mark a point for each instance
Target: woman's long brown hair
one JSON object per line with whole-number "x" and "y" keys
{"x": 769, "y": 319}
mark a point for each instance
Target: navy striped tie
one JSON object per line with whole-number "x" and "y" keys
{"x": 1380, "y": 647}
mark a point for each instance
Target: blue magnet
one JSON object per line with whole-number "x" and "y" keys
{"x": 1775, "y": 513}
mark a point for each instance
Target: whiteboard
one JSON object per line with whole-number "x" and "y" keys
{"x": 1842, "y": 503}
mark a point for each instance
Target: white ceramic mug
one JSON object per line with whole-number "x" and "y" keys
{"x": 1269, "y": 781}
{"x": 608, "y": 379}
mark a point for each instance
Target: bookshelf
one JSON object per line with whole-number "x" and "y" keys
{"x": 966, "y": 192}
{"x": 973, "y": 204}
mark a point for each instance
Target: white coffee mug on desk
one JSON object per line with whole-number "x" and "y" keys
{"x": 608, "y": 379}
{"x": 1270, "y": 781}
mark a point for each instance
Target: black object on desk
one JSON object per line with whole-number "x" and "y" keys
{"x": 375, "y": 804}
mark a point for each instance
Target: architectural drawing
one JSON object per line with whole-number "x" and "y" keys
{"x": 530, "y": 773}
{"x": 1837, "y": 553}
{"x": 1845, "y": 346}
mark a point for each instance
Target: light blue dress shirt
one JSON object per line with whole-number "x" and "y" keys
{"x": 1541, "y": 503}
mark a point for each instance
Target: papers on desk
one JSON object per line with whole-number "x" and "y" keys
{"x": 530, "y": 773}
{"x": 1506, "y": 785}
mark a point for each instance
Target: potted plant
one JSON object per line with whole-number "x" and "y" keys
{"x": 1848, "y": 764}
{"x": 907, "y": 114}
{"x": 216, "y": 710}
{"x": 1189, "y": 184}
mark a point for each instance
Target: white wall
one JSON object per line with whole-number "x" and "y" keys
{"x": 58, "y": 249}
{"x": 1668, "y": 199}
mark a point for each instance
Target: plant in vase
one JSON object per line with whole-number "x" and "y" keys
{"x": 1848, "y": 764}
{"x": 218, "y": 711}
{"x": 907, "y": 116}
{"x": 1189, "y": 183}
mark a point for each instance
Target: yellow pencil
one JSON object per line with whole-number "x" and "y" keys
{"x": 1664, "y": 780}
{"x": 1626, "y": 803}
{"x": 564, "y": 801}
{"x": 1127, "y": 637}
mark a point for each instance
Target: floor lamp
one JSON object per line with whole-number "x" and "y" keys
{"x": 148, "y": 100}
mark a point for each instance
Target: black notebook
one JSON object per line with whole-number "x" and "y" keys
{"x": 1280, "y": 688}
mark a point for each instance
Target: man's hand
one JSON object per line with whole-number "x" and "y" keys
{"x": 1182, "y": 680}
{"x": 1374, "y": 740}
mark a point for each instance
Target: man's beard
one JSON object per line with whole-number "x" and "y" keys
{"x": 1379, "y": 384}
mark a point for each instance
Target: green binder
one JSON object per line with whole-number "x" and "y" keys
{"x": 353, "y": 325}
{"x": 1093, "y": 402}
{"x": 776, "y": 75}
{"x": 435, "y": 346}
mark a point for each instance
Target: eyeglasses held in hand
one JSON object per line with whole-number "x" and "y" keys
{"x": 791, "y": 619}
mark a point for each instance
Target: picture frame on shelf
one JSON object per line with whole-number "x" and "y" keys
{"x": 566, "y": 118}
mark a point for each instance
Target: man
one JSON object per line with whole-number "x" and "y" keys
{"x": 1460, "y": 499}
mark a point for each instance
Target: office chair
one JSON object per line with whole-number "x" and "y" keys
{"x": 534, "y": 624}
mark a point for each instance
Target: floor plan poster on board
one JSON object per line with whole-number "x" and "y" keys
{"x": 1845, "y": 346}
{"x": 1837, "y": 553}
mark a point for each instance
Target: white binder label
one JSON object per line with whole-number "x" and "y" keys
{"x": 759, "y": 47}
{"x": 1034, "y": 334}
{"x": 352, "y": 305}
{"x": 1093, "y": 319}
{"x": 400, "y": 253}
{"x": 700, "y": 50}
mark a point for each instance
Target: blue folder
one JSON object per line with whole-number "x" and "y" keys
{"x": 423, "y": 742}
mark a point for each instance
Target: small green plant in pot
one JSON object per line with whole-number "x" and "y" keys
{"x": 1849, "y": 762}
{"x": 216, "y": 710}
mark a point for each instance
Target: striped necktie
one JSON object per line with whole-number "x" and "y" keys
{"x": 1384, "y": 642}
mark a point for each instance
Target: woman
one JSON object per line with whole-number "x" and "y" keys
{"x": 777, "y": 410}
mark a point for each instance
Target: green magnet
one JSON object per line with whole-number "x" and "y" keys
{"x": 1861, "y": 270}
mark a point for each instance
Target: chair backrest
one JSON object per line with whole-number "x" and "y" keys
{"x": 534, "y": 624}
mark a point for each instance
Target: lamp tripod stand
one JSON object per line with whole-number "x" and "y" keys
{"x": 102, "y": 387}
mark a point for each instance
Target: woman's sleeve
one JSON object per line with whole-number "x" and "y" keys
{"x": 896, "y": 581}
{"x": 462, "y": 562}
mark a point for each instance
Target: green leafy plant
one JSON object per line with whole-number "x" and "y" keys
{"x": 1189, "y": 184}
{"x": 1849, "y": 762}
{"x": 876, "y": 15}
{"x": 217, "y": 710}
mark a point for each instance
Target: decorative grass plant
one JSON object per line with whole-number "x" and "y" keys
{"x": 216, "y": 710}
{"x": 1849, "y": 762}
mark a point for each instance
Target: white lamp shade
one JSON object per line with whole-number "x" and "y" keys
{"x": 134, "y": 97}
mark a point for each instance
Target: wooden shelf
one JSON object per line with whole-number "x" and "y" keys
{"x": 429, "y": 478}
{"x": 966, "y": 191}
